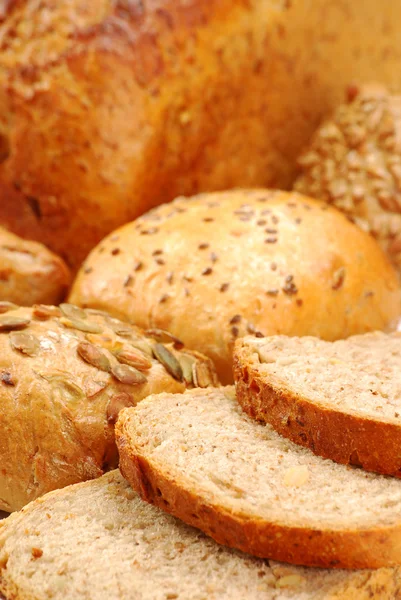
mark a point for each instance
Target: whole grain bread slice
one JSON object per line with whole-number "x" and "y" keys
{"x": 340, "y": 399}
{"x": 100, "y": 541}
{"x": 201, "y": 458}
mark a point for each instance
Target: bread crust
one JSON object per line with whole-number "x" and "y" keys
{"x": 247, "y": 261}
{"x": 92, "y": 96}
{"x": 359, "y": 549}
{"x": 61, "y": 389}
{"x": 30, "y": 273}
{"x": 330, "y": 433}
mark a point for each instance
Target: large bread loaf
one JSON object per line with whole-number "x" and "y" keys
{"x": 110, "y": 107}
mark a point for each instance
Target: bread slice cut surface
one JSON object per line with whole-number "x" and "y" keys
{"x": 199, "y": 457}
{"x": 340, "y": 399}
{"x": 100, "y": 541}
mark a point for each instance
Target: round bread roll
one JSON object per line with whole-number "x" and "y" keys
{"x": 354, "y": 163}
{"x": 65, "y": 374}
{"x": 219, "y": 266}
{"x": 30, "y": 273}
{"x": 110, "y": 107}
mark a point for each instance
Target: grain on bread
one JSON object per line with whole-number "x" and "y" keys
{"x": 340, "y": 399}
{"x": 114, "y": 106}
{"x": 30, "y": 273}
{"x": 64, "y": 375}
{"x": 99, "y": 541}
{"x": 199, "y": 457}
{"x": 354, "y": 163}
{"x": 215, "y": 267}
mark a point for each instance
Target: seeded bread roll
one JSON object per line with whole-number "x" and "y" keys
{"x": 99, "y": 541}
{"x": 340, "y": 399}
{"x": 108, "y": 108}
{"x": 199, "y": 457}
{"x": 219, "y": 266}
{"x": 354, "y": 163}
{"x": 64, "y": 375}
{"x": 30, "y": 273}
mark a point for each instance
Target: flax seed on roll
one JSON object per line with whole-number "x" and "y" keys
{"x": 219, "y": 266}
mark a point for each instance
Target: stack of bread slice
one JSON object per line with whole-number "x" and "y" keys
{"x": 237, "y": 478}
{"x": 201, "y": 458}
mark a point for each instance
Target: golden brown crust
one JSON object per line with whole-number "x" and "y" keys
{"x": 64, "y": 376}
{"x": 358, "y": 549}
{"x": 216, "y": 267}
{"x": 93, "y": 95}
{"x": 30, "y": 273}
{"x": 344, "y": 438}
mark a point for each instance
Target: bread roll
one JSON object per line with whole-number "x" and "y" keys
{"x": 354, "y": 163}
{"x": 64, "y": 375}
{"x": 216, "y": 267}
{"x": 108, "y": 108}
{"x": 30, "y": 273}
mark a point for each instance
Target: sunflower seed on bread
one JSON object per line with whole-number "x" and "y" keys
{"x": 354, "y": 163}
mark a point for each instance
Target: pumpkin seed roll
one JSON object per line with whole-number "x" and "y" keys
{"x": 65, "y": 373}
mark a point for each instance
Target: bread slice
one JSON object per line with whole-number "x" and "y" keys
{"x": 99, "y": 541}
{"x": 199, "y": 457}
{"x": 340, "y": 399}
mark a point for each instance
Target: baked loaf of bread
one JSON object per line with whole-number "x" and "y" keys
{"x": 30, "y": 273}
{"x": 64, "y": 375}
{"x": 340, "y": 399}
{"x": 200, "y": 458}
{"x": 354, "y": 163}
{"x": 216, "y": 267}
{"x": 99, "y": 541}
{"x": 111, "y": 107}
